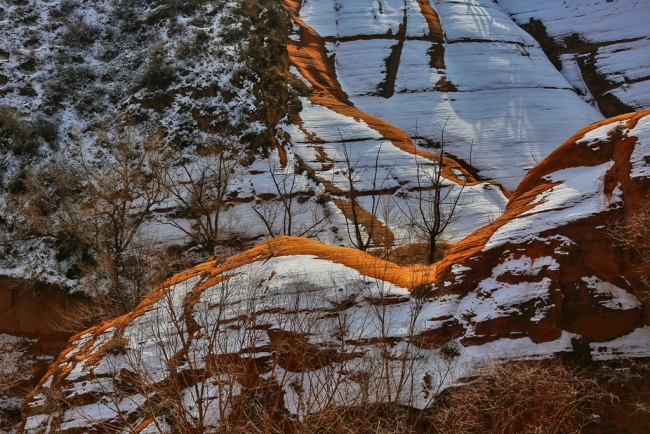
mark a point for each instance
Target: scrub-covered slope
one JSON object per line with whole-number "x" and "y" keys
{"x": 314, "y": 325}
{"x": 600, "y": 47}
{"x": 175, "y": 79}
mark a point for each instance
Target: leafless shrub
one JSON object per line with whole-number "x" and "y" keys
{"x": 362, "y": 231}
{"x": 436, "y": 202}
{"x": 15, "y": 370}
{"x": 416, "y": 253}
{"x": 219, "y": 368}
{"x": 13, "y": 366}
{"x": 95, "y": 207}
{"x": 291, "y": 212}
{"x": 616, "y": 132}
{"x": 518, "y": 397}
{"x": 632, "y": 233}
{"x": 201, "y": 187}
{"x": 24, "y": 136}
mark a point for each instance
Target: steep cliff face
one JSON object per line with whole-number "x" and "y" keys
{"x": 34, "y": 311}
{"x": 31, "y": 327}
{"x": 293, "y": 315}
{"x": 599, "y": 47}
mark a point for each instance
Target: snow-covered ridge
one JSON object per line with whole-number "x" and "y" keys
{"x": 321, "y": 310}
{"x": 562, "y": 211}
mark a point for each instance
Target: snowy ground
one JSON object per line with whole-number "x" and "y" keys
{"x": 290, "y": 294}
{"x": 511, "y": 102}
{"x": 618, "y": 29}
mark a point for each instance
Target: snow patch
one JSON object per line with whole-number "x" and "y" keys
{"x": 640, "y": 156}
{"x": 615, "y": 297}
{"x": 635, "y": 344}
{"x": 578, "y": 195}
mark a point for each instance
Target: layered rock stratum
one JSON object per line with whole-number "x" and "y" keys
{"x": 384, "y": 84}
{"x": 596, "y": 46}
{"x": 542, "y": 279}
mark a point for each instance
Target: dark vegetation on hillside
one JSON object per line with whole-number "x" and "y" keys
{"x": 158, "y": 88}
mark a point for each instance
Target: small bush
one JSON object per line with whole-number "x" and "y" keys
{"x": 416, "y": 253}
{"x": 23, "y": 136}
{"x": 80, "y": 34}
{"x": 188, "y": 49}
{"x": 129, "y": 20}
{"x": 66, "y": 7}
{"x": 116, "y": 346}
{"x": 616, "y": 132}
{"x": 170, "y": 9}
{"x": 159, "y": 74}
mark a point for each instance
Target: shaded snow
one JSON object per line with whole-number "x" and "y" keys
{"x": 635, "y": 344}
{"x": 639, "y": 157}
{"x": 473, "y": 66}
{"x": 619, "y": 27}
{"x": 522, "y": 348}
{"x": 634, "y": 94}
{"x": 478, "y": 20}
{"x": 571, "y": 71}
{"x": 615, "y": 297}
{"x": 595, "y": 21}
{"x": 509, "y": 128}
{"x": 362, "y": 80}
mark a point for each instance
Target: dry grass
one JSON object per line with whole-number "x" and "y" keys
{"x": 544, "y": 396}
{"x": 524, "y": 397}
{"x": 415, "y": 253}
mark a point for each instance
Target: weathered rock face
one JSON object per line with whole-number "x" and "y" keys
{"x": 34, "y": 312}
{"x": 31, "y": 327}
{"x": 312, "y": 325}
{"x": 599, "y": 47}
{"x": 547, "y": 268}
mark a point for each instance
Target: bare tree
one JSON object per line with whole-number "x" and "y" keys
{"x": 201, "y": 188}
{"x": 361, "y": 224}
{"x": 290, "y": 212}
{"x": 96, "y": 204}
{"x": 435, "y": 201}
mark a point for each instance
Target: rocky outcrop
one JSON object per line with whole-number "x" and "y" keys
{"x": 598, "y": 46}
{"x": 35, "y": 312}
{"x": 548, "y": 267}
{"x": 292, "y": 317}
{"x": 32, "y": 324}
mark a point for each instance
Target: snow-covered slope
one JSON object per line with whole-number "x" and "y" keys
{"x": 601, "y": 46}
{"x": 386, "y": 80}
{"x": 294, "y": 316}
{"x": 548, "y": 265}
{"x": 422, "y": 65}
